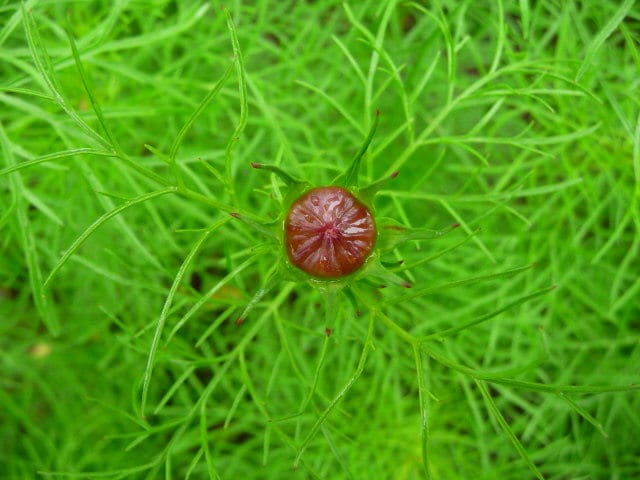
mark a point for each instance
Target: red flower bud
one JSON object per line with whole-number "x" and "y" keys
{"x": 329, "y": 233}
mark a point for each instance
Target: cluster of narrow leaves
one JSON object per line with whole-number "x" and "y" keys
{"x": 363, "y": 289}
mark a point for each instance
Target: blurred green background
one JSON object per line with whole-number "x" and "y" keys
{"x": 520, "y": 120}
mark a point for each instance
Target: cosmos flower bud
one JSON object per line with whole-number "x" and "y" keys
{"x": 328, "y": 232}
{"x": 328, "y": 235}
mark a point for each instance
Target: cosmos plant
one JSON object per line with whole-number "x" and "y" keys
{"x": 328, "y": 236}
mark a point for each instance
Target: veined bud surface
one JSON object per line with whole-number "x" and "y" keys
{"x": 329, "y": 233}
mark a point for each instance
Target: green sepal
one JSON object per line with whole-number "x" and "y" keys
{"x": 401, "y": 266}
{"x": 381, "y": 277}
{"x": 350, "y": 177}
{"x": 289, "y": 180}
{"x": 392, "y": 234}
{"x": 367, "y": 193}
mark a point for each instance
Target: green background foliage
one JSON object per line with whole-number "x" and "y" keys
{"x": 127, "y": 131}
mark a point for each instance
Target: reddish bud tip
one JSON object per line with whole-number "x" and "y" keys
{"x": 394, "y": 174}
{"x": 553, "y": 287}
{"x": 327, "y": 331}
{"x": 222, "y": 7}
{"x": 234, "y": 214}
{"x": 400, "y": 262}
{"x": 534, "y": 264}
{"x": 377, "y": 112}
{"x": 317, "y": 305}
{"x": 382, "y": 286}
{"x": 358, "y": 313}
{"x": 240, "y": 320}
{"x": 406, "y": 284}
{"x": 455, "y": 225}
{"x": 256, "y": 165}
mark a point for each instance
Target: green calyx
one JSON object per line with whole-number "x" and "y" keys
{"x": 390, "y": 234}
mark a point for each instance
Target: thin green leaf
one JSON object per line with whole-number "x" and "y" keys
{"x": 271, "y": 280}
{"x": 602, "y": 36}
{"x": 196, "y": 113}
{"x": 55, "y": 156}
{"x": 316, "y": 375}
{"x": 204, "y": 442}
{"x": 85, "y": 82}
{"x": 43, "y": 64}
{"x": 532, "y": 386}
{"x": 465, "y": 226}
{"x": 501, "y": 38}
{"x": 525, "y": 18}
{"x": 334, "y": 103}
{"x": 495, "y": 411}
{"x": 343, "y": 391}
{"x": 28, "y": 243}
{"x": 95, "y": 225}
{"x": 42, "y": 207}
{"x": 517, "y": 141}
{"x": 351, "y": 59}
{"x": 636, "y": 155}
{"x": 234, "y": 406}
{"x": 336, "y": 452}
{"x": 155, "y": 342}
{"x": 430, "y": 258}
{"x": 484, "y": 318}
{"x": 397, "y": 329}
{"x": 468, "y": 281}
{"x": 423, "y": 398}
{"x": 206, "y": 297}
{"x": 584, "y": 414}
{"x": 244, "y": 104}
